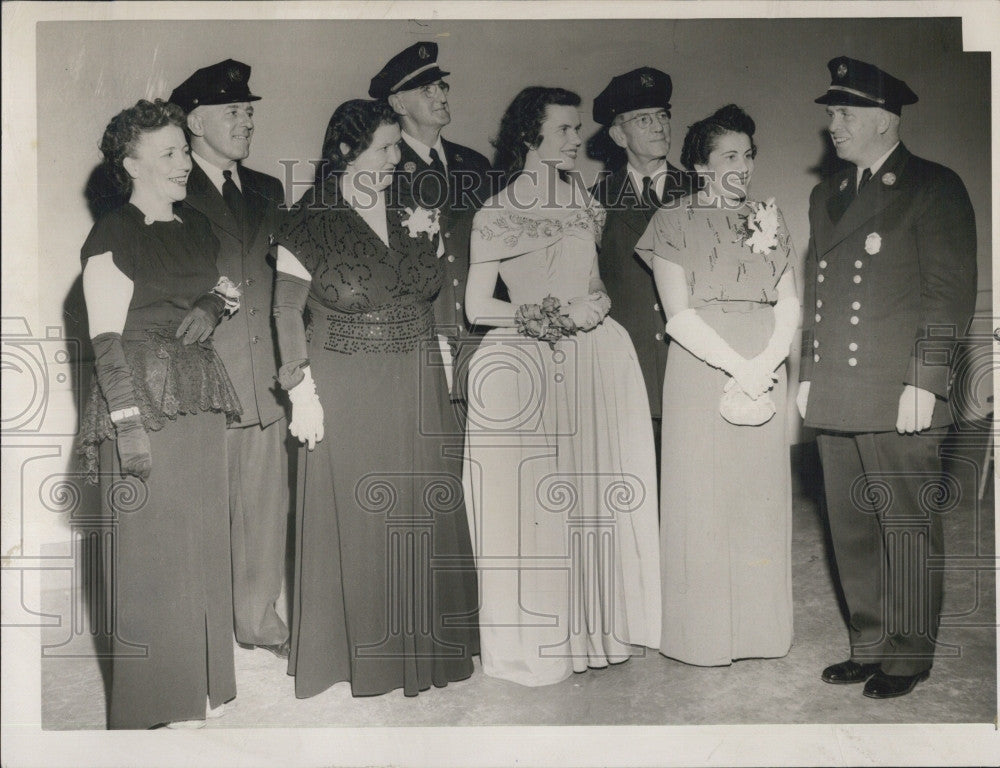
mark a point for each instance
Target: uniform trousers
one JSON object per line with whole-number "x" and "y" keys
{"x": 258, "y": 516}
{"x": 885, "y": 496}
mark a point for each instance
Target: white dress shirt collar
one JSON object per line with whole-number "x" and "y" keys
{"x": 658, "y": 178}
{"x": 215, "y": 174}
{"x": 876, "y": 165}
{"x": 424, "y": 151}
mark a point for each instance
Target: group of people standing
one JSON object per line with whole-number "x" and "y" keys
{"x": 498, "y": 455}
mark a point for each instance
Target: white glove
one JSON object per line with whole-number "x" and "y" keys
{"x": 916, "y": 408}
{"x": 786, "y": 323}
{"x": 755, "y": 377}
{"x": 702, "y": 341}
{"x": 802, "y": 398}
{"x": 307, "y": 411}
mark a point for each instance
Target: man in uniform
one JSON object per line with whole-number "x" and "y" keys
{"x": 635, "y": 108}
{"x": 242, "y": 206}
{"x": 434, "y": 173}
{"x": 890, "y": 285}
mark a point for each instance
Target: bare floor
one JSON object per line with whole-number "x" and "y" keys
{"x": 649, "y": 689}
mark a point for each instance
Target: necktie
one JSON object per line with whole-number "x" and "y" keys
{"x": 649, "y": 196}
{"x": 234, "y": 199}
{"x": 866, "y": 174}
{"x": 436, "y": 192}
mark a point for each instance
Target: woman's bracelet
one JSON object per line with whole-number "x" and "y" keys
{"x": 124, "y": 413}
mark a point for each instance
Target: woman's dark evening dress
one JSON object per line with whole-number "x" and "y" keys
{"x": 385, "y": 589}
{"x": 169, "y": 567}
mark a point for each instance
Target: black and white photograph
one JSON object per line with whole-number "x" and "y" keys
{"x": 500, "y": 383}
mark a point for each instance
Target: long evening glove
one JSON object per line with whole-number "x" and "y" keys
{"x": 202, "y": 318}
{"x": 114, "y": 376}
{"x": 290, "y": 293}
{"x": 786, "y": 323}
{"x": 702, "y": 341}
{"x": 295, "y": 375}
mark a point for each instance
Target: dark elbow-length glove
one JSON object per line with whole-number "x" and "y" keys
{"x": 295, "y": 376}
{"x": 114, "y": 376}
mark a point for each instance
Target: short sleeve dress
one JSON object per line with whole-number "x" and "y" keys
{"x": 385, "y": 590}
{"x": 726, "y": 502}
{"x": 560, "y": 466}
{"x": 171, "y": 570}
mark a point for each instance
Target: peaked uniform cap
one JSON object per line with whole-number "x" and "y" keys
{"x": 639, "y": 89}
{"x": 224, "y": 83}
{"x": 408, "y": 69}
{"x": 857, "y": 83}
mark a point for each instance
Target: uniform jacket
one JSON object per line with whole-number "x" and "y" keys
{"x": 246, "y": 341}
{"x": 468, "y": 189}
{"x": 634, "y": 301}
{"x": 890, "y": 285}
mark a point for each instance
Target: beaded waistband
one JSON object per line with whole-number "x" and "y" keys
{"x": 397, "y": 328}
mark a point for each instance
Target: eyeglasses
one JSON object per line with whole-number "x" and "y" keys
{"x": 645, "y": 120}
{"x": 431, "y": 90}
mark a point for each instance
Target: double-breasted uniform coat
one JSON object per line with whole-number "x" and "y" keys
{"x": 890, "y": 285}
{"x": 257, "y": 455}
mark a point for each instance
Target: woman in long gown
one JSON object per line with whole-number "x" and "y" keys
{"x": 560, "y": 469}
{"x": 153, "y": 431}
{"x": 381, "y": 595}
{"x": 722, "y": 265}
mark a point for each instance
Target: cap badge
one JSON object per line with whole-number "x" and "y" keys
{"x": 843, "y": 185}
{"x": 873, "y": 243}
{"x": 422, "y": 52}
{"x": 842, "y": 71}
{"x": 410, "y": 167}
{"x": 888, "y": 179}
{"x": 234, "y": 74}
{"x": 646, "y": 79}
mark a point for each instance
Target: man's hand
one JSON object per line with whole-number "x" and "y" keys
{"x": 916, "y": 408}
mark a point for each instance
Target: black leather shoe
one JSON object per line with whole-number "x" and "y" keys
{"x": 849, "y": 672}
{"x": 280, "y": 650}
{"x": 883, "y": 686}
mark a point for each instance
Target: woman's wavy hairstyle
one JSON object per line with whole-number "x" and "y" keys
{"x": 352, "y": 123}
{"x": 521, "y": 127}
{"x": 701, "y": 137}
{"x": 126, "y": 128}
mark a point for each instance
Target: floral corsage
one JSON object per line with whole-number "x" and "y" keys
{"x": 230, "y": 294}
{"x": 544, "y": 321}
{"x": 422, "y": 221}
{"x": 760, "y": 227}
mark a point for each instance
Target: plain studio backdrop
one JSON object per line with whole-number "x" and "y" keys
{"x": 87, "y": 71}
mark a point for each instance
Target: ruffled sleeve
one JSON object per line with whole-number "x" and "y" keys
{"x": 664, "y": 238}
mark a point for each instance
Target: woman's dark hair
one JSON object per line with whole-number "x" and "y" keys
{"x": 521, "y": 127}
{"x": 702, "y": 136}
{"x": 126, "y": 128}
{"x": 353, "y": 123}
